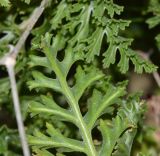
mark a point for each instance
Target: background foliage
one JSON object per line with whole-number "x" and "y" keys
{"x": 76, "y": 57}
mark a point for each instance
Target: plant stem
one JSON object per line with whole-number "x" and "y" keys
{"x": 11, "y": 73}
{"x": 9, "y": 60}
{"x": 30, "y": 24}
{"x": 86, "y": 134}
{"x": 83, "y": 128}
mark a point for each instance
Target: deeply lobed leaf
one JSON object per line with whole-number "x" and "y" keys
{"x": 55, "y": 139}
{"x": 98, "y": 103}
{"x": 79, "y": 33}
{"x": 123, "y": 125}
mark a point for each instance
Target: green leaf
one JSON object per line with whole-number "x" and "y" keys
{"x": 55, "y": 139}
{"x": 5, "y": 3}
{"x": 154, "y": 8}
{"x": 154, "y": 21}
{"x": 109, "y": 140}
{"x": 79, "y": 36}
{"x": 84, "y": 78}
{"x": 62, "y": 12}
{"x": 101, "y": 6}
{"x": 69, "y": 59}
{"x": 49, "y": 107}
{"x": 83, "y": 21}
{"x": 126, "y": 121}
{"x": 42, "y": 152}
{"x": 98, "y": 103}
{"x": 94, "y": 42}
{"x": 110, "y": 55}
{"x": 41, "y": 81}
{"x": 59, "y": 66}
{"x": 122, "y": 44}
{"x": 39, "y": 61}
{"x": 8, "y": 138}
{"x": 124, "y": 144}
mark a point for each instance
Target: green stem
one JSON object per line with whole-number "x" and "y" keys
{"x": 84, "y": 130}
{"x": 86, "y": 134}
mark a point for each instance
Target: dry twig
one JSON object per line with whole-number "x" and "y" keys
{"x": 9, "y": 60}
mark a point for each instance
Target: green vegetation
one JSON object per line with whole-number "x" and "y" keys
{"x": 71, "y": 101}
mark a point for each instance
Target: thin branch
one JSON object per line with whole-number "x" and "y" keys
{"x": 10, "y": 68}
{"x": 157, "y": 78}
{"x": 32, "y": 21}
{"x": 146, "y": 56}
{"x": 9, "y": 60}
